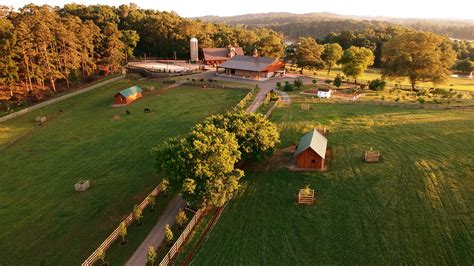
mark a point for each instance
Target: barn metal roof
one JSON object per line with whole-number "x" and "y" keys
{"x": 314, "y": 140}
{"x": 211, "y": 54}
{"x": 250, "y": 63}
{"x": 130, "y": 91}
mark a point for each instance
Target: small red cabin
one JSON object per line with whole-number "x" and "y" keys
{"x": 311, "y": 151}
{"x": 127, "y": 96}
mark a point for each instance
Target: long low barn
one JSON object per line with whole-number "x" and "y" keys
{"x": 250, "y": 67}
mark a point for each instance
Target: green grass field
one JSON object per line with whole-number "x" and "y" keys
{"x": 43, "y": 220}
{"x": 372, "y": 73}
{"x": 415, "y": 207}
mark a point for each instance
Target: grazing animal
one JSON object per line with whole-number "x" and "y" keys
{"x": 147, "y": 110}
{"x": 128, "y": 112}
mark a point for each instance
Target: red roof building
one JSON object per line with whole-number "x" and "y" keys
{"x": 252, "y": 67}
{"x": 216, "y": 56}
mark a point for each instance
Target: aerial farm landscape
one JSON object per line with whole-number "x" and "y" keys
{"x": 191, "y": 134}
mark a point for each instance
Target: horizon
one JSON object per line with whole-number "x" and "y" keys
{"x": 402, "y": 9}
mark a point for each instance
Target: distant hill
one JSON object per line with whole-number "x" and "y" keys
{"x": 319, "y": 25}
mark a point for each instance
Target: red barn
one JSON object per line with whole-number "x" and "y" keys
{"x": 311, "y": 151}
{"x": 127, "y": 96}
{"x": 253, "y": 67}
{"x": 216, "y": 56}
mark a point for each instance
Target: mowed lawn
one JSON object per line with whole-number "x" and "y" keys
{"x": 370, "y": 74}
{"x": 42, "y": 219}
{"x": 415, "y": 207}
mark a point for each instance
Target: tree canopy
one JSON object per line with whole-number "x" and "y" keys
{"x": 203, "y": 164}
{"x": 419, "y": 56}
{"x": 356, "y": 60}
{"x": 331, "y": 55}
{"x": 44, "y": 48}
{"x": 308, "y": 53}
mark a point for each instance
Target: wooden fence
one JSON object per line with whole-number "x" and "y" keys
{"x": 180, "y": 241}
{"x": 270, "y": 111}
{"x": 244, "y": 101}
{"x": 115, "y": 234}
{"x": 63, "y": 97}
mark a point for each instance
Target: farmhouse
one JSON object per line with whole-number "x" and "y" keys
{"x": 250, "y": 67}
{"x": 216, "y": 56}
{"x": 324, "y": 93}
{"x": 311, "y": 151}
{"x": 129, "y": 95}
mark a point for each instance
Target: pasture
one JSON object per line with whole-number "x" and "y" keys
{"x": 43, "y": 220}
{"x": 414, "y": 207}
{"x": 373, "y": 73}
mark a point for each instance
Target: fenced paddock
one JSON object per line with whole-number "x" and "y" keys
{"x": 63, "y": 97}
{"x": 116, "y": 233}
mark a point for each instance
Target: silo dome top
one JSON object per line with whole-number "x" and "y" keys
{"x": 194, "y": 39}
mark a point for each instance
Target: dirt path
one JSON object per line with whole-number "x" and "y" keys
{"x": 157, "y": 235}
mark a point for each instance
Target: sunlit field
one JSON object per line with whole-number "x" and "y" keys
{"x": 43, "y": 220}
{"x": 415, "y": 206}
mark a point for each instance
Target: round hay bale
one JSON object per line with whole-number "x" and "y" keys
{"x": 115, "y": 117}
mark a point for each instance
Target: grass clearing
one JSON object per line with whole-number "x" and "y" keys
{"x": 415, "y": 207}
{"x": 373, "y": 73}
{"x": 43, "y": 220}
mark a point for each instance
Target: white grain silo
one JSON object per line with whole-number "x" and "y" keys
{"x": 194, "y": 49}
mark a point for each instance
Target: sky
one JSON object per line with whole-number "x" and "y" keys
{"x": 452, "y": 9}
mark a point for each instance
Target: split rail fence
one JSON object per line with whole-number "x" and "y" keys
{"x": 180, "y": 241}
{"x": 116, "y": 233}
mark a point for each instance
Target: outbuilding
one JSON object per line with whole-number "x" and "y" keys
{"x": 128, "y": 96}
{"x": 216, "y": 56}
{"x": 324, "y": 93}
{"x": 311, "y": 151}
{"x": 252, "y": 67}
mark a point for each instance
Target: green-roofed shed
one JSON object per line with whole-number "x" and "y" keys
{"x": 311, "y": 151}
{"x": 129, "y": 95}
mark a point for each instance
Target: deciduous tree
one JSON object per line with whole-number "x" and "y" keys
{"x": 308, "y": 54}
{"x": 419, "y": 56}
{"x": 356, "y": 60}
{"x": 331, "y": 55}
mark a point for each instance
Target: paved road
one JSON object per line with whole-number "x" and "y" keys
{"x": 157, "y": 235}
{"x": 265, "y": 87}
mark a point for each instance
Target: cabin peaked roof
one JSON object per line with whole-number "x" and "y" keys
{"x": 250, "y": 63}
{"x": 216, "y": 54}
{"x": 314, "y": 140}
{"x": 130, "y": 91}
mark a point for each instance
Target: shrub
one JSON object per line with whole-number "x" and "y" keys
{"x": 201, "y": 80}
{"x": 181, "y": 218}
{"x": 298, "y": 83}
{"x": 383, "y": 98}
{"x": 287, "y": 82}
{"x": 362, "y": 86}
{"x": 315, "y": 81}
{"x": 278, "y": 84}
{"x": 337, "y": 81}
{"x": 377, "y": 85}
{"x": 288, "y": 87}
{"x": 328, "y": 81}
{"x": 421, "y": 100}
{"x": 398, "y": 99}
